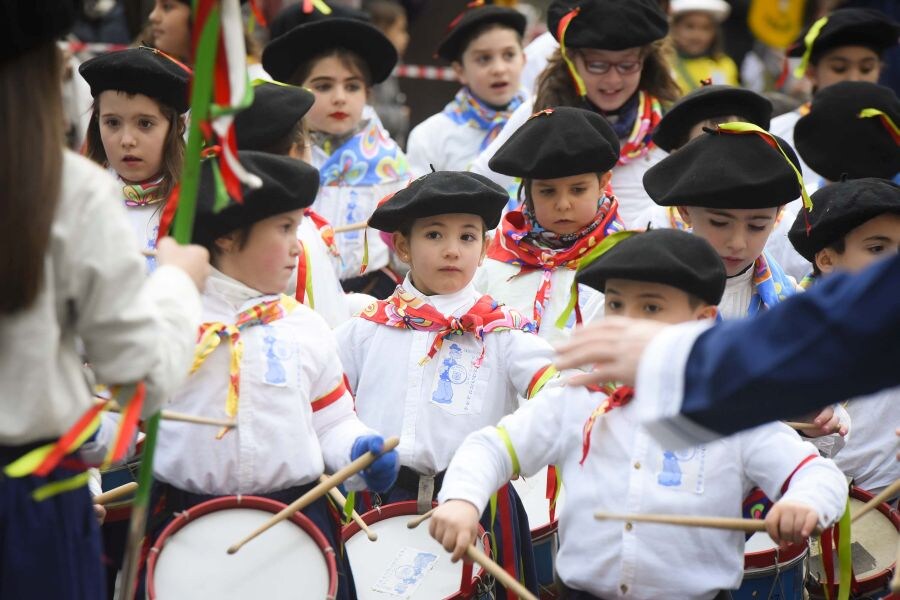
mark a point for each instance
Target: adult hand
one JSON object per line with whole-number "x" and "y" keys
{"x": 192, "y": 259}
{"x": 612, "y": 346}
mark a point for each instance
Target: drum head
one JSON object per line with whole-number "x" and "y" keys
{"x": 403, "y": 563}
{"x": 285, "y": 562}
{"x": 533, "y": 492}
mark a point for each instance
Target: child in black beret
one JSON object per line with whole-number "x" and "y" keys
{"x": 564, "y": 157}
{"x": 339, "y": 60}
{"x": 854, "y": 224}
{"x": 484, "y": 45}
{"x": 609, "y": 463}
{"x": 137, "y": 130}
{"x": 438, "y": 359}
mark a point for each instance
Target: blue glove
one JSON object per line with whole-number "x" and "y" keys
{"x": 382, "y": 473}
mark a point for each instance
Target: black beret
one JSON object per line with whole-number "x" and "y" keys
{"x": 668, "y": 256}
{"x": 834, "y": 140}
{"x": 140, "y": 71}
{"x": 708, "y": 102}
{"x": 275, "y": 111}
{"x": 725, "y": 170}
{"x": 558, "y": 142}
{"x": 287, "y": 184}
{"x": 609, "y": 24}
{"x": 285, "y": 53}
{"x": 851, "y": 27}
{"x": 440, "y": 193}
{"x": 293, "y": 15}
{"x": 451, "y": 47}
{"x": 838, "y": 209}
{"x": 26, "y": 24}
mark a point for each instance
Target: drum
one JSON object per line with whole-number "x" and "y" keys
{"x": 289, "y": 561}
{"x": 873, "y": 545}
{"x": 544, "y": 539}
{"x": 406, "y": 563}
{"x": 771, "y": 572}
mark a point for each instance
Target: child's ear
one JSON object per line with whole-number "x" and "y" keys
{"x": 707, "y": 312}
{"x": 458, "y": 69}
{"x": 825, "y": 260}
{"x": 604, "y": 180}
{"x": 401, "y": 245}
{"x": 685, "y": 213}
{"x": 227, "y": 243}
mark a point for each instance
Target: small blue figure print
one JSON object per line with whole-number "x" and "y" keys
{"x": 151, "y": 246}
{"x": 352, "y": 216}
{"x": 671, "y": 472}
{"x": 275, "y": 374}
{"x": 451, "y": 373}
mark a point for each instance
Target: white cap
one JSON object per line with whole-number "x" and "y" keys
{"x": 719, "y": 9}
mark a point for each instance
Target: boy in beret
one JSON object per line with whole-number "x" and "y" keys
{"x": 854, "y": 224}
{"x": 484, "y": 46}
{"x": 564, "y": 157}
{"x": 438, "y": 360}
{"x": 286, "y": 391}
{"x": 610, "y": 463}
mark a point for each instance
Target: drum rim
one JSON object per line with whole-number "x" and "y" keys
{"x": 408, "y": 508}
{"x": 764, "y": 559}
{"x": 879, "y": 578}
{"x": 225, "y": 502}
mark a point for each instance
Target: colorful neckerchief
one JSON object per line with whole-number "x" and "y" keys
{"x": 211, "y": 334}
{"x": 515, "y": 245}
{"x": 408, "y": 311}
{"x": 638, "y": 144}
{"x": 145, "y": 193}
{"x": 467, "y": 110}
{"x": 771, "y": 284}
{"x": 614, "y": 397}
{"x": 368, "y": 158}
{"x": 807, "y": 281}
{"x": 325, "y": 230}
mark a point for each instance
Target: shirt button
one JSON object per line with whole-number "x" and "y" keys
{"x": 637, "y": 465}
{"x": 624, "y": 588}
{"x": 628, "y": 526}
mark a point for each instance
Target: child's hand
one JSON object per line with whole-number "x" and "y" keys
{"x": 192, "y": 259}
{"x": 100, "y": 513}
{"x": 825, "y": 423}
{"x": 454, "y": 525}
{"x": 791, "y": 522}
{"x": 381, "y": 474}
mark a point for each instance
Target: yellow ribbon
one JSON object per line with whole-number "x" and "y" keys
{"x": 869, "y": 113}
{"x": 507, "y": 441}
{"x": 564, "y": 25}
{"x": 808, "y": 40}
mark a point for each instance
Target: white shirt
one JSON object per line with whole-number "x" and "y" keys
{"x": 626, "y": 471}
{"x": 735, "y": 301}
{"x": 133, "y": 328}
{"x": 783, "y": 127}
{"x": 627, "y": 180}
{"x": 869, "y": 456}
{"x": 432, "y": 407}
{"x": 503, "y": 283}
{"x": 537, "y": 53}
{"x": 295, "y": 418}
{"x": 443, "y": 143}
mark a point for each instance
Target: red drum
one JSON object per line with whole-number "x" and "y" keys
{"x": 873, "y": 543}
{"x": 772, "y": 572}
{"x": 406, "y": 563}
{"x": 291, "y": 560}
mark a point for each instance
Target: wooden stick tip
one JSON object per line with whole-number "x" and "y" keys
{"x": 234, "y": 549}
{"x": 373, "y": 537}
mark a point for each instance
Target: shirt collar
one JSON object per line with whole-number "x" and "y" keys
{"x": 455, "y": 304}
{"x": 232, "y": 291}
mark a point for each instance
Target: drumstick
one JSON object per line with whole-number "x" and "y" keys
{"x": 317, "y": 492}
{"x": 351, "y": 227}
{"x": 338, "y": 497}
{"x": 745, "y": 525}
{"x": 149, "y": 252}
{"x": 115, "y": 493}
{"x": 799, "y": 425}
{"x": 416, "y": 521}
{"x": 508, "y": 581}
{"x": 170, "y": 415}
{"x": 887, "y": 493}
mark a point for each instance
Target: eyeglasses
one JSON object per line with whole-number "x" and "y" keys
{"x": 599, "y": 67}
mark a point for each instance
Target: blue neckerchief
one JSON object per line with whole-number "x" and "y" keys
{"x": 771, "y": 284}
{"x": 368, "y": 158}
{"x": 467, "y": 109}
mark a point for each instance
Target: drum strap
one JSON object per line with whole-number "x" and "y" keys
{"x": 425, "y": 494}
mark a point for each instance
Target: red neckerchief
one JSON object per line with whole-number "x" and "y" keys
{"x": 325, "y": 230}
{"x": 408, "y": 311}
{"x": 614, "y": 397}
{"x": 511, "y": 246}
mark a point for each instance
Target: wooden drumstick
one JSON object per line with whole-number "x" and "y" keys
{"x": 170, "y": 415}
{"x": 351, "y": 227}
{"x": 799, "y": 425}
{"x": 745, "y": 525}
{"x": 508, "y": 581}
{"x": 148, "y": 253}
{"x": 339, "y": 498}
{"x": 416, "y": 521}
{"x": 886, "y": 494}
{"x": 317, "y": 492}
{"x": 115, "y": 493}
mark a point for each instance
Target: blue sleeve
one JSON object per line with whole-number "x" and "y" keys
{"x": 839, "y": 340}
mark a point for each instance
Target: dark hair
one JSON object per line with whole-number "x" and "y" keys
{"x": 243, "y": 236}
{"x": 556, "y": 88}
{"x": 717, "y": 47}
{"x": 298, "y": 135}
{"x": 405, "y": 228}
{"x": 477, "y": 31}
{"x": 31, "y": 144}
{"x": 839, "y": 246}
{"x": 173, "y": 147}
{"x": 384, "y": 13}
{"x": 351, "y": 61}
